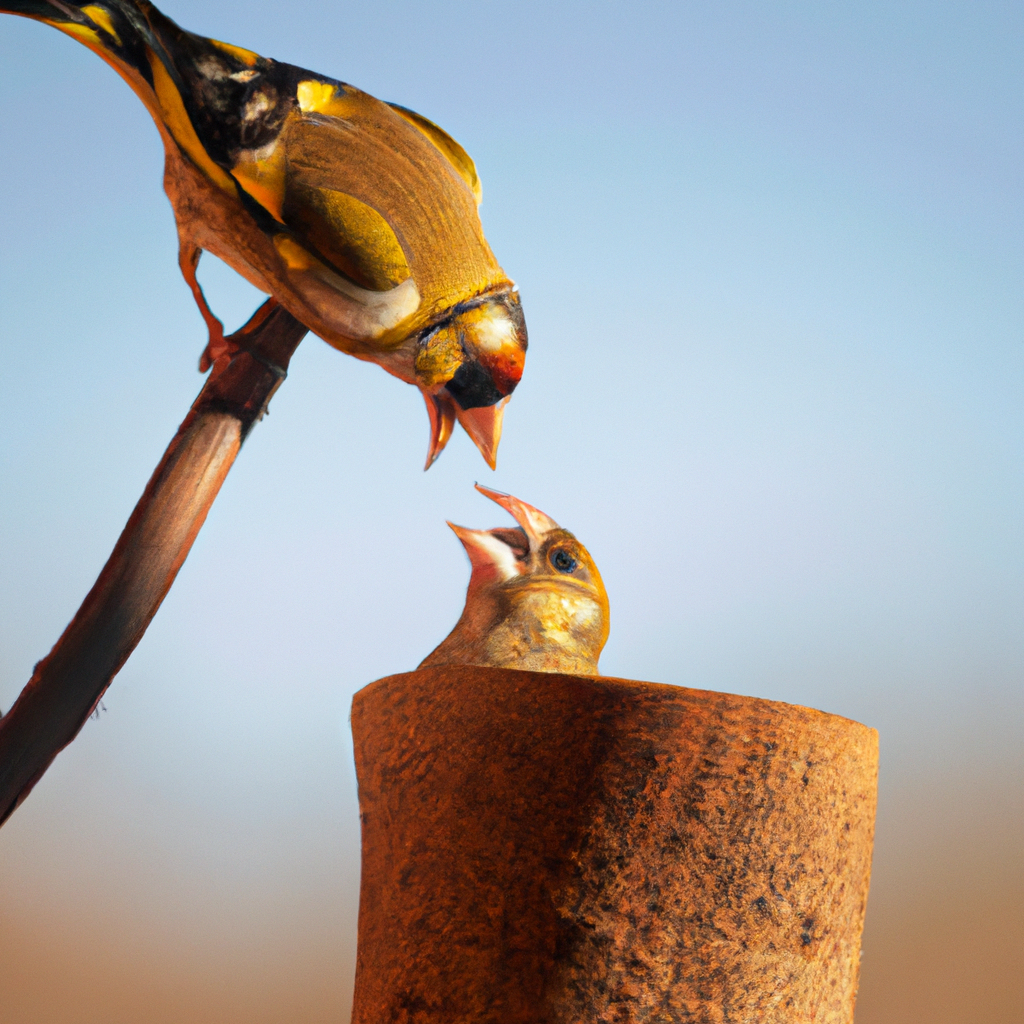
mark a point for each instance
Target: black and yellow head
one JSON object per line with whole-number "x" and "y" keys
{"x": 467, "y": 367}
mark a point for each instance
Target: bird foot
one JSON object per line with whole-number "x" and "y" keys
{"x": 217, "y": 347}
{"x": 220, "y": 346}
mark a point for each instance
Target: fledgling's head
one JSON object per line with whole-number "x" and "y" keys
{"x": 468, "y": 366}
{"x": 535, "y": 600}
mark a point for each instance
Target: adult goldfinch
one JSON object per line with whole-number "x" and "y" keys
{"x": 358, "y": 216}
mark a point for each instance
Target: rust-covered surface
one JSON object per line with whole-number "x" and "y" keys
{"x": 546, "y": 848}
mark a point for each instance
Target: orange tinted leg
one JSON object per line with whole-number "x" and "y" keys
{"x": 188, "y": 260}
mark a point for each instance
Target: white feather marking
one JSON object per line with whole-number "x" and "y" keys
{"x": 494, "y": 333}
{"x": 488, "y": 553}
{"x": 498, "y": 554}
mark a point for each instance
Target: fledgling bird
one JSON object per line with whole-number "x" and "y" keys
{"x": 535, "y": 599}
{"x": 358, "y": 216}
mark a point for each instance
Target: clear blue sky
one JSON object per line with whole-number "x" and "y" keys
{"x": 770, "y": 258}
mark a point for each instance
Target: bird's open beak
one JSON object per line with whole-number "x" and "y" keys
{"x": 441, "y": 409}
{"x": 483, "y": 425}
{"x": 534, "y": 522}
{"x": 489, "y": 555}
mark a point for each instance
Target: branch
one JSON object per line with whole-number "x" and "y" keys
{"x": 68, "y": 683}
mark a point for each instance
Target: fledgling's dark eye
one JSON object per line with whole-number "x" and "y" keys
{"x": 562, "y": 560}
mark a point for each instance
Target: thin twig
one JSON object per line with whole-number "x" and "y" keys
{"x": 68, "y": 683}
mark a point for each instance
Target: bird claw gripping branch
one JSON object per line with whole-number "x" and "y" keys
{"x": 358, "y": 216}
{"x": 535, "y": 599}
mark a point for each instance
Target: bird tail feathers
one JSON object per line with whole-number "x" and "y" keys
{"x": 167, "y": 68}
{"x": 120, "y": 31}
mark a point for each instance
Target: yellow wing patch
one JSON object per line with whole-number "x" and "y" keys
{"x": 457, "y": 156}
{"x": 82, "y": 33}
{"x": 294, "y": 256}
{"x": 247, "y": 57}
{"x": 264, "y": 179}
{"x": 314, "y": 97}
{"x": 353, "y": 236}
{"x": 180, "y": 127}
{"x": 101, "y": 17}
{"x": 324, "y": 98}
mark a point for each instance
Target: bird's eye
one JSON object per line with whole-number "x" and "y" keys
{"x": 562, "y": 560}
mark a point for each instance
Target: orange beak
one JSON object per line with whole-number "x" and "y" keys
{"x": 490, "y": 557}
{"x": 494, "y": 554}
{"x": 534, "y": 522}
{"x": 441, "y": 409}
{"x": 483, "y": 425}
